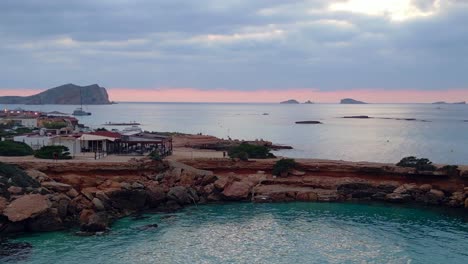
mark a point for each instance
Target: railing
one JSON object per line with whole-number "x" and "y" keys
{"x": 100, "y": 155}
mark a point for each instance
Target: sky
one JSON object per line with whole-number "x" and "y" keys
{"x": 238, "y": 50}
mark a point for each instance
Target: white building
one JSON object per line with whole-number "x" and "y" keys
{"x": 35, "y": 141}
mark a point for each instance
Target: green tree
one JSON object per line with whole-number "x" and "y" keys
{"x": 48, "y": 152}
{"x": 419, "y": 164}
{"x": 246, "y": 151}
{"x": 283, "y": 166}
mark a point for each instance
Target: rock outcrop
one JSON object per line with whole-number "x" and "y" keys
{"x": 290, "y": 101}
{"x": 351, "y": 101}
{"x": 56, "y": 196}
{"x": 68, "y": 94}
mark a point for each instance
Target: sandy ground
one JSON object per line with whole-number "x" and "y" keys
{"x": 189, "y": 153}
{"x": 179, "y": 153}
{"x": 80, "y": 158}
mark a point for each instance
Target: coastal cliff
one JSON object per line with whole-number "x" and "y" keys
{"x": 68, "y": 94}
{"x": 46, "y": 196}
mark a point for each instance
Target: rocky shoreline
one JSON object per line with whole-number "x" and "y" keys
{"x": 46, "y": 196}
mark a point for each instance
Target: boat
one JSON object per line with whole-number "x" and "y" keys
{"x": 132, "y": 130}
{"x": 79, "y": 111}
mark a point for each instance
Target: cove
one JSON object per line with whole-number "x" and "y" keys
{"x": 265, "y": 233}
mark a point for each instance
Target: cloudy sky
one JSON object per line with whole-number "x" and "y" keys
{"x": 239, "y": 50}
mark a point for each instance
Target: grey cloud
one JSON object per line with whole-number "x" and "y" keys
{"x": 228, "y": 44}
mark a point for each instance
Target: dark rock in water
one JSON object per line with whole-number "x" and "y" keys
{"x": 155, "y": 195}
{"x": 133, "y": 199}
{"x": 290, "y": 101}
{"x": 308, "y": 102}
{"x": 147, "y": 227}
{"x": 358, "y": 117}
{"x": 182, "y": 195}
{"x": 351, "y": 101}
{"x": 309, "y": 122}
{"x": 13, "y": 252}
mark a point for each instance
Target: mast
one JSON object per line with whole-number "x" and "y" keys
{"x": 81, "y": 99}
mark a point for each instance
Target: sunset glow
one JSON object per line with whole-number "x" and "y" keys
{"x": 269, "y": 96}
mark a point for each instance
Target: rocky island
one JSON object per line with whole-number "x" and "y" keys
{"x": 443, "y": 102}
{"x": 68, "y": 94}
{"x": 351, "y": 101}
{"x": 290, "y": 101}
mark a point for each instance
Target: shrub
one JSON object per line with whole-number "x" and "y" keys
{"x": 283, "y": 166}
{"x": 245, "y": 151}
{"x": 12, "y": 175}
{"x": 47, "y": 152}
{"x": 12, "y": 148}
{"x": 419, "y": 164}
{"x": 155, "y": 156}
{"x": 451, "y": 170}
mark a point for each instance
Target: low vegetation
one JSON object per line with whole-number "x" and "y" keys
{"x": 55, "y": 125}
{"x": 283, "y": 166}
{"x": 419, "y": 164}
{"x": 51, "y": 152}
{"x": 12, "y": 149}
{"x": 451, "y": 170}
{"x": 155, "y": 156}
{"x": 12, "y": 175}
{"x": 247, "y": 151}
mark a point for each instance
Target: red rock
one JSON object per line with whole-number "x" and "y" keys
{"x": 15, "y": 190}
{"x": 237, "y": 190}
{"x": 307, "y": 196}
{"x": 221, "y": 183}
{"x": 72, "y": 193}
{"x": 84, "y": 215}
{"x": 26, "y": 206}
{"x": 425, "y": 187}
{"x": 57, "y": 186}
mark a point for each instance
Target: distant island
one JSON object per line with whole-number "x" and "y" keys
{"x": 308, "y": 102}
{"x": 68, "y": 94}
{"x": 351, "y": 101}
{"x": 290, "y": 101}
{"x": 442, "y": 102}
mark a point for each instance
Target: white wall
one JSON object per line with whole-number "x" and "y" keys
{"x": 36, "y": 142}
{"x": 71, "y": 143}
{"x": 30, "y": 123}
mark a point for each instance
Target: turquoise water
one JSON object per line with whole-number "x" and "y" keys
{"x": 268, "y": 233}
{"x": 443, "y": 139}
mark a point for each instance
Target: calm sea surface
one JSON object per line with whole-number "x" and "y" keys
{"x": 266, "y": 233}
{"x": 444, "y": 139}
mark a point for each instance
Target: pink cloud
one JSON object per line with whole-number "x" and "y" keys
{"x": 266, "y": 96}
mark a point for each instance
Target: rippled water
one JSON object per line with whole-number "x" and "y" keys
{"x": 442, "y": 140}
{"x": 268, "y": 233}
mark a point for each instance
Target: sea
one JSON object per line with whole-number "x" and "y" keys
{"x": 440, "y": 132}
{"x": 264, "y": 233}
{"x": 281, "y": 232}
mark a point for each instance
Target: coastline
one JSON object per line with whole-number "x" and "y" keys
{"x": 94, "y": 194}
